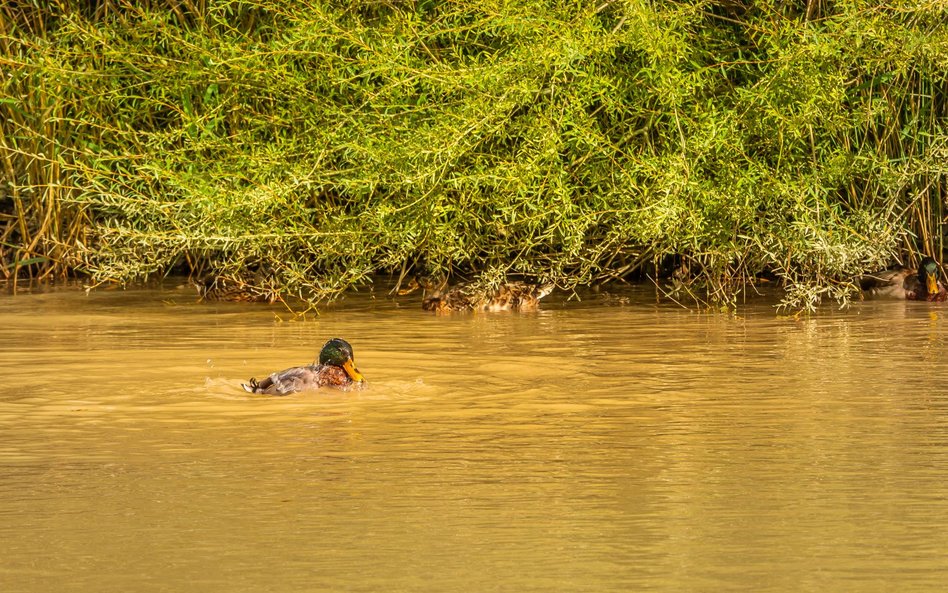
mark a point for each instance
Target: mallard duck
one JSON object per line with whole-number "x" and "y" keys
{"x": 336, "y": 368}
{"x": 214, "y": 288}
{"x": 906, "y": 283}
{"x": 508, "y": 296}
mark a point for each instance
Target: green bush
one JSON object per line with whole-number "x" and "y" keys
{"x": 325, "y": 142}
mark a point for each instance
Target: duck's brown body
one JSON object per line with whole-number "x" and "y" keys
{"x": 219, "y": 289}
{"x": 510, "y": 296}
{"x": 304, "y": 378}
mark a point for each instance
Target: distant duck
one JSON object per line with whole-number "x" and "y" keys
{"x": 220, "y": 288}
{"x": 336, "y": 368}
{"x": 906, "y": 283}
{"x": 508, "y": 296}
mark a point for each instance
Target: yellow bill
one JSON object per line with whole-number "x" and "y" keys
{"x": 353, "y": 372}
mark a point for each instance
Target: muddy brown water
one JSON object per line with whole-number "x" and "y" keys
{"x": 610, "y": 444}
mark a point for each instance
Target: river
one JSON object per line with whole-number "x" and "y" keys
{"x": 605, "y": 444}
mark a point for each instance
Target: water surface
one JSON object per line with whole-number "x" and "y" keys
{"x": 608, "y": 444}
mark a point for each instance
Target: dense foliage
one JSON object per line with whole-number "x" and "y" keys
{"x": 317, "y": 143}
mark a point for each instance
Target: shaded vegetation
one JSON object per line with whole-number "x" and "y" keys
{"x": 314, "y": 144}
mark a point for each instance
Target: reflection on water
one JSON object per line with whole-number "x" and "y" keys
{"x": 597, "y": 445}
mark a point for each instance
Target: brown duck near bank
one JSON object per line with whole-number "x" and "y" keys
{"x": 214, "y": 288}
{"x": 336, "y": 368}
{"x": 508, "y": 296}
{"x": 906, "y": 283}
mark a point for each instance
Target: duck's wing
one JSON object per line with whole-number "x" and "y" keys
{"x": 286, "y": 382}
{"x": 518, "y": 296}
{"x": 249, "y": 290}
{"x": 896, "y": 282}
{"x": 458, "y": 298}
{"x": 507, "y": 296}
{"x": 532, "y": 293}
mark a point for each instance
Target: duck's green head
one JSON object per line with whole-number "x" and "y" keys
{"x": 338, "y": 352}
{"x": 928, "y": 276}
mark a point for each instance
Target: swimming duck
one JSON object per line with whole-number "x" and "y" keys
{"x": 214, "y": 288}
{"x": 508, "y": 296}
{"x": 907, "y": 283}
{"x": 336, "y": 368}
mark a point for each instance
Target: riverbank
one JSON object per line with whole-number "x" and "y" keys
{"x": 315, "y": 147}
